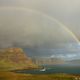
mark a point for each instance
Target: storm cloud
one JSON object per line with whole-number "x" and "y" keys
{"x": 23, "y": 24}
{"x": 29, "y": 29}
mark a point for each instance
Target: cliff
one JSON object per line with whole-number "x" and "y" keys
{"x": 15, "y": 58}
{"x": 48, "y": 61}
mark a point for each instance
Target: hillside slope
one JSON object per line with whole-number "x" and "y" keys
{"x": 14, "y": 58}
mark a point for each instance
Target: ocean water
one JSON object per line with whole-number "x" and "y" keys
{"x": 51, "y": 69}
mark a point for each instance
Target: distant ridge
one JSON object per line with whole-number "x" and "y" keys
{"x": 48, "y": 61}
{"x": 76, "y": 61}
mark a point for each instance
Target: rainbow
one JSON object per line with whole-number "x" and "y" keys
{"x": 49, "y": 17}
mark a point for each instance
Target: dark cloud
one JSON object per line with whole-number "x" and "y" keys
{"x": 28, "y": 28}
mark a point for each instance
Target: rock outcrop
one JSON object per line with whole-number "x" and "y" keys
{"x": 15, "y": 58}
{"x": 48, "y": 61}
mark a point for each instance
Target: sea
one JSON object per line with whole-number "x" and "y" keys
{"x": 51, "y": 69}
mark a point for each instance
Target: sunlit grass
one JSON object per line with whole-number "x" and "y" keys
{"x": 14, "y": 76}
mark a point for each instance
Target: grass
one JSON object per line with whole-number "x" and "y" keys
{"x": 17, "y": 76}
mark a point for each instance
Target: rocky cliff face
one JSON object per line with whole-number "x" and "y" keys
{"x": 48, "y": 61}
{"x": 14, "y": 58}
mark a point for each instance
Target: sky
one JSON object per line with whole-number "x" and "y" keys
{"x": 41, "y": 26}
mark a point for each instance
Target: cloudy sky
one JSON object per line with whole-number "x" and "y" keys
{"x": 41, "y": 26}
